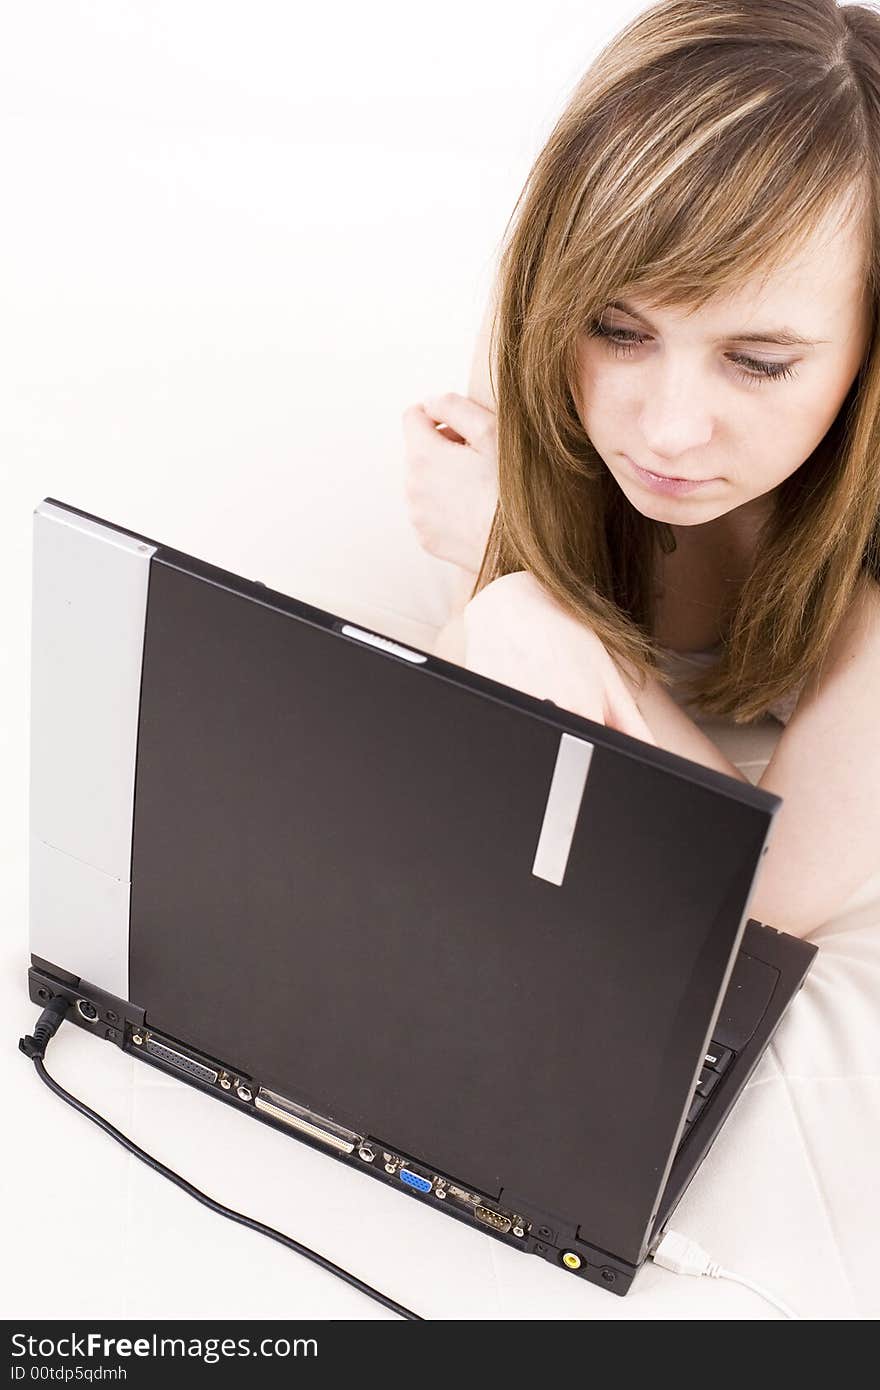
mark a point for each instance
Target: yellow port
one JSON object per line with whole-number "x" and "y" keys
{"x": 571, "y": 1260}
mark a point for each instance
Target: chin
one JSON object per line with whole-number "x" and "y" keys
{"x": 654, "y": 505}
{"x": 677, "y": 511}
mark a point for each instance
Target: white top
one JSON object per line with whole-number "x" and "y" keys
{"x": 681, "y": 664}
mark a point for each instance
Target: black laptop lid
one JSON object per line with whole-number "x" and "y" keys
{"x": 332, "y": 890}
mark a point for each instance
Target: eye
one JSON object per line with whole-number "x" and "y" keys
{"x": 752, "y": 370}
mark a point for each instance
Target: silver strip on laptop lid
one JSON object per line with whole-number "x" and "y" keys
{"x": 563, "y": 808}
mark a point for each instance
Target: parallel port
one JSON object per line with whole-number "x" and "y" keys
{"x": 179, "y": 1059}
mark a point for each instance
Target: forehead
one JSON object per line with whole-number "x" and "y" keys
{"x": 818, "y": 287}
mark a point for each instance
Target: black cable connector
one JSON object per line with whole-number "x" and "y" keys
{"x": 47, "y": 1026}
{"x": 34, "y": 1046}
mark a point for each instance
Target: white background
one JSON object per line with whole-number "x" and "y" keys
{"x": 237, "y": 240}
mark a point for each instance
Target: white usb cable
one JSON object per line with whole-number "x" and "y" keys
{"x": 684, "y": 1256}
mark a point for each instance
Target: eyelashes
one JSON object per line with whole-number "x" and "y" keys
{"x": 624, "y": 341}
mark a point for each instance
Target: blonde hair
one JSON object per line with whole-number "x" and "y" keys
{"x": 706, "y": 142}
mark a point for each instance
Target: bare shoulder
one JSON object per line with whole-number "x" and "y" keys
{"x": 852, "y": 661}
{"x": 860, "y": 630}
{"x": 826, "y": 769}
{"x": 868, "y": 595}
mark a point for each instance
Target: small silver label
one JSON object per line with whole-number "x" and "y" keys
{"x": 385, "y": 643}
{"x": 562, "y": 809}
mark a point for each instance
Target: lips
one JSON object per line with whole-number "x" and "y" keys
{"x": 661, "y": 483}
{"x": 670, "y": 478}
{"x": 667, "y": 477}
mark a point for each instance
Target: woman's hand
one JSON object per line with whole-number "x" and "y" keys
{"x": 451, "y": 476}
{"x": 516, "y": 633}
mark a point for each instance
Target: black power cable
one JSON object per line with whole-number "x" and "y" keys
{"x": 34, "y": 1046}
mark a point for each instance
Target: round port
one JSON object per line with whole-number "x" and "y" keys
{"x": 86, "y": 1010}
{"x": 571, "y": 1260}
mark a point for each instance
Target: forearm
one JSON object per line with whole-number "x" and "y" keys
{"x": 676, "y": 731}
{"x": 649, "y": 705}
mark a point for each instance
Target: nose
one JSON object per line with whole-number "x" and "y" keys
{"x": 675, "y": 416}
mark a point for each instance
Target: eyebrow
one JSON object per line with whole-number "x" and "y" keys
{"x": 784, "y": 337}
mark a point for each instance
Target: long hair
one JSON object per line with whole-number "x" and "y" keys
{"x": 705, "y": 144}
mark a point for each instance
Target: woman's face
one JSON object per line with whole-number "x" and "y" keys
{"x": 721, "y": 394}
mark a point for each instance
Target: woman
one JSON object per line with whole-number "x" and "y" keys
{"x": 689, "y": 291}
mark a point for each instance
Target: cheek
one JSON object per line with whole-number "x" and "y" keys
{"x": 822, "y": 407}
{"x": 806, "y": 416}
{"x": 602, "y": 391}
{"x": 772, "y": 437}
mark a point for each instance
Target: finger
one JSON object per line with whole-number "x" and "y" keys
{"x": 419, "y": 429}
{"x": 472, "y": 420}
{"x": 450, "y": 433}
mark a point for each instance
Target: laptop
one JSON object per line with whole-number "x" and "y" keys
{"x": 485, "y": 951}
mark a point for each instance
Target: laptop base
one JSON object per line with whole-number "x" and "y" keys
{"x": 531, "y": 1231}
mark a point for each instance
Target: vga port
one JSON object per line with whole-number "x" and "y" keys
{"x": 415, "y": 1180}
{"x": 496, "y": 1219}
